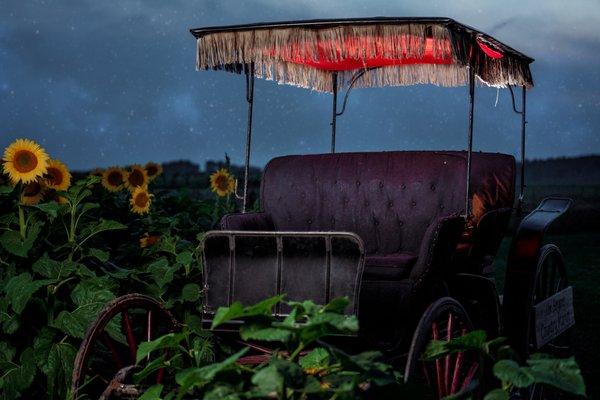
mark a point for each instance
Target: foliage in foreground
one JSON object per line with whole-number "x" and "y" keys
{"x": 60, "y": 263}
{"x": 305, "y": 363}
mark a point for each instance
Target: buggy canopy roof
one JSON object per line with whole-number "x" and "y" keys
{"x": 387, "y": 51}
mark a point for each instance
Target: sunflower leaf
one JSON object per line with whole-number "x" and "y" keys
{"x": 50, "y": 208}
{"x": 6, "y": 189}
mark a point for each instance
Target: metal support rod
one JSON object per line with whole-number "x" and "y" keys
{"x": 250, "y": 100}
{"x": 470, "y": 139}
{"x": 523, "y": 123}
{"x": 334, "y": 113}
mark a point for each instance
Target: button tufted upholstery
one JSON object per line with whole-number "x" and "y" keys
{"x": 390, "y": 199}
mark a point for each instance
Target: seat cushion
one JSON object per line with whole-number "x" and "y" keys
{"x": 388, "y": 266}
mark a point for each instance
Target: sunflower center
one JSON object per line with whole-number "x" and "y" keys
{"x": 222, "y": 183}
{"x": 55, "y": 176}
{"x": 115, "y": 178}
{"x": 151, "y": 170}
{"x": 32, "y": 189}
{"x": 141, "y": 200}
{"x": 136, "y": 178}
{"x": 25, "y": 161}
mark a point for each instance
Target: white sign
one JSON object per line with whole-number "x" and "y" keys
{"x": 553, "y": 316}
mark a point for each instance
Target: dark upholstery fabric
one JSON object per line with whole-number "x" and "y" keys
{"x": 397, "y": 202}
{"x": 387, "y": 198}
{"x": 388, "y": 266}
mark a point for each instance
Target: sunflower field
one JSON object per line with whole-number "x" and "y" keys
{"x": 69, "y": 246}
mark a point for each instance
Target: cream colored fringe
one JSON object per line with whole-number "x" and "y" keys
{"x": 271, "y": 49}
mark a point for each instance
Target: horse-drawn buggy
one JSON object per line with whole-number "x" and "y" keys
{"x": 413, "y": 233}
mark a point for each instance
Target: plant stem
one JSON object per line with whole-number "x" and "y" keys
{"x": 72, "y": 225}
{"x": 297, "y": 351}
{"x": 22, "y": 225}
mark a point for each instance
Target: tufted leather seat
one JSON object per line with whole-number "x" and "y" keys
{"x": 403, "y": 204}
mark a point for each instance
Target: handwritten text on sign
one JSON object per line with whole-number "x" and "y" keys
{"x": 553, "y": 316}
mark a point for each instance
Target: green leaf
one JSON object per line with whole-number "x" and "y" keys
{"x": 337, "y": 305}
{"x": 7, "y": 352}
{"x": 17, "y": 377}
{"x": 169, "y": 340}
{"x": 150, "y": 368}
{"x": 472, "y": 341}
{"x": 12, "y": 242}
{"x": 510, "y": 372}
{"x": 268, "y": 334}
{"x": 185, "y": 258}
{"x": 237, "y": 310}
{"x": 153, "y": 393}
{"x": 277, "y": 375}
{"x": 6, "y": 189}
{"x": 42, "y": 345}
{"x": 20, "y": 289}
{"x": 59, "y": 367}
{"x": 89, "y": 299}
{"x": 198, "y": 377}
{"x": 497, "y": 394}
{"x": 561, "y": 373}
{"x": 49, "y": 268}
{"x": 222, "y": 392}
{"x": 190, "y": 292}
{"x": 317, "y": 358}
{"x": 101, "y": 255}
{"x": 102, "y": 226}
{"x": 161, "y": 272}
{"x": 51, "y": 208}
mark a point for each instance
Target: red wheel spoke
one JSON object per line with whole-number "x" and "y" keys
{"x": 129, "y": 334}
{"x": 470, "y": 375}
{"x": 438, "y": 363}
{"x": 114, "y": 352}
{"x": 426, "y": 373}
{"x": 161, "y": 372}
{"x": 447, "y": 360}
{"x": 457, "y": 367}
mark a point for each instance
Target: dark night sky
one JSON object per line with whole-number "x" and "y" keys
{"x": 114, "y": 82}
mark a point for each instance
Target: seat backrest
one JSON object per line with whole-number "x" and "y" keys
{"x": 387, "y": 198}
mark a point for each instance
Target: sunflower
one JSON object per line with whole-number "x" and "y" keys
{"x": 57, "y": 176}
{"x": 113, "y": 179}
{"x": 24, "y": 161}
{"x": 140, "y": 200}
{"x": 33, "y": 192}
{"x": 136, "y": 178}
{"x": 148, "y": 240}
{"x": 222, "y": 183}
{"x": 153, "y": 170}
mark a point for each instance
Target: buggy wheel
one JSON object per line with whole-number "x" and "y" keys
{"x": 107, "y": 356}
{"x": 445, "y": 319}
{"x": 550, "y": 278}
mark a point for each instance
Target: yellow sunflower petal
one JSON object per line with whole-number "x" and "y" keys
{"x": 222, "y": 183}
{"x": 58, "y": 176}
{"x": 136, "y": 177}
{"x": 113, "y": 179}
{"x": 24, "y": 161}
{"x": 140, "y": 201}
{"x": 153, "y": 170}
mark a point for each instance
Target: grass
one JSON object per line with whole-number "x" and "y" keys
{"x": 582, "y": 256}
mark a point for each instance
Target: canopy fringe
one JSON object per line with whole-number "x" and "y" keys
{"x": 272, "y": 52}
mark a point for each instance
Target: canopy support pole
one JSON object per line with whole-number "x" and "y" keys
{"x": 470, "y": 139}
{"x": 523, "y": 123}
{"x": 523, "y": 114}
{"x": 334, "y": 114}
{"x": 250, "y": 101}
